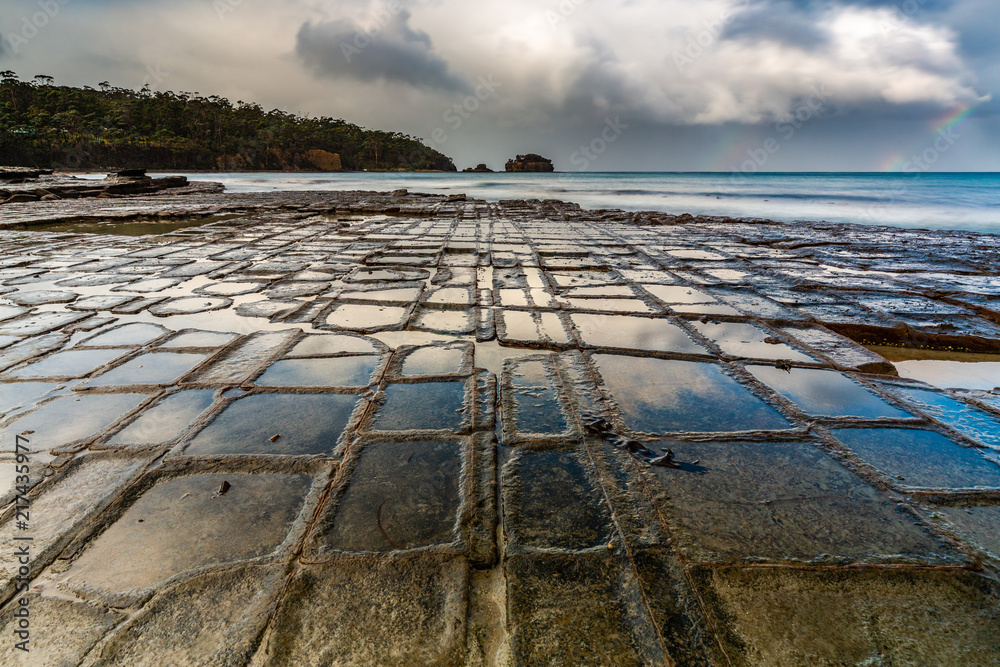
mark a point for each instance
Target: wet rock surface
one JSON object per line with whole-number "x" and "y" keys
{"x": 363, "y": 428}
{"x": 21, "y": 173}
{"x": 21, "y": 186}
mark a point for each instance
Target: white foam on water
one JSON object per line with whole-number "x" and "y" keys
{"x": 937, "y": 201}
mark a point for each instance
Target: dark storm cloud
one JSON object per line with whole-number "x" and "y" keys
{"x": 387, "y": 48}
{"x": 976, "y": 21}
{"x": 599, "y": 85}
{"x": 797, "y": 22}
{"x": 782, "y": 21}
{"x": 903, "y": 5}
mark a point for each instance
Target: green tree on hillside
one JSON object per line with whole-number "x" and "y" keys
{"x": 45, "y": 125}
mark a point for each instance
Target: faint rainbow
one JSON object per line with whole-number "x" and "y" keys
{"x": 732, "y": 152}
{"x": 951, "y": 120}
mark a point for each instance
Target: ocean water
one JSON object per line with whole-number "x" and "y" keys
{"x": 969, "y": 201}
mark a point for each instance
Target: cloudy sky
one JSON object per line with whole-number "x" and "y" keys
{"x": 818, "y": 85}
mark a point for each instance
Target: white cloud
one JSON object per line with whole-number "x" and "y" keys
{"x": 668, "y": 61}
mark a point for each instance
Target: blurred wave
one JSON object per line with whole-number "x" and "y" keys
{"x": 939, "y": 201}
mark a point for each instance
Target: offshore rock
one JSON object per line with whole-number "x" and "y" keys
{"x": 529, "y": 162}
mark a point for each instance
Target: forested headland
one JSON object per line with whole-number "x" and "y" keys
{"x": 61, "y": 127}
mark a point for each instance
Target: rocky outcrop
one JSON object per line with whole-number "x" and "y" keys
{"x": 21, "y": 174}
{"x": 232, "y": 163}
{"x": 479, "y": 168}
{"x": 120, "y": 184}
{"x": 136, "y": 182}
{"x": 530, "y": 162}
{"x": 311, "y": 160}
{"x": 324, "y": 160}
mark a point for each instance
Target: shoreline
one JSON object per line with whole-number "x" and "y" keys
{"x": 652, "y": 217}
{"x": 931, "y": 202}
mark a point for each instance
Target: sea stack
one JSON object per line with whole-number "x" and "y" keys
{"x": 529, "y": 162}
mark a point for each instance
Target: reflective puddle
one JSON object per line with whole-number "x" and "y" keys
{"x": 141, "y": 226}
{"x": 316, "y": 346}
{"x": 14, "y": 395}
{"x": 434, "y": 360}
{"x": 402, "y": 495}
{"x": 150, "y": 368}
{"x": 952, "y": 374}
{"x": 826, "y": 393}
{"x": 661, "y": 396}
{"x": 445, "y": 321}
{"x": 944, "y": 369}
{"x": 70, "y": 418}
{"x": 921, "y": 458}
{"x": 182, "y": 524}
{"x": 634, "y": 333}
{"x": 165, "y": 420}
{"x": 972, "y": 422}
{"x": 750, "y": 342}
{"x": 71, "y": 364}
{"x": 360, "y": 316}
{"x": 306, "y": 424}
{"x": 200, "y": 339}
{"x": 328, "y": 372}
{"x": 423, "y": 406}
{"x": 138, "y": 333}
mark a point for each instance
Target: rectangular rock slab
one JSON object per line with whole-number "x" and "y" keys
{"x": 365, "y": 611}
{"x": 61, "y": 505}
{"x": 842, "y": 351}
{"x": 678, "y": 616}
{"x": 212, "y": 619}
{"x": 980, "y": 525}
{"x": 884, "y": 617}
{"x": 783, "y": 501}
{"x": 570, "y": 611}
{"x": 550, "y": 502}
{"x": 62, "y": 632}
{"x": 400, "y": 495}
{"x": 243, "y": 361}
